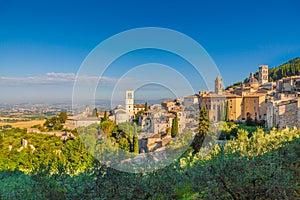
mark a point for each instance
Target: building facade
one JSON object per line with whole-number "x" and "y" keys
{"x": 129, "y": 102}
{"x": 283, "y": 113}
{"x": 218, "y": 85}
{"x": 254, "y": 106}
{"x": 263, "y": 74}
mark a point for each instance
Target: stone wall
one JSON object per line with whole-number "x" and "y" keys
{"x": 287, "y": 115}
{"x": 283, "y": 114}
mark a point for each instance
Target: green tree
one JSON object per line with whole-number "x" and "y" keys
{"x": 135, "y": 144}
{"x": 283, "y": 72}
{"x": 95, "y": 112}
{"x": 105, "y": 116}
{"x": 124, "y": 144}
{"x": 146, "y": 107}
{"x": 174, "y": 130}
{"x": 249, "y": 121}
{"x": 135, "y": 140}
{"x": 63, "y": 117}
{"x": 168, "y": 131}
{"x": 54, "y": 123}
{"x": 137, "y": 115}
{"x": 107, "y": 127}
{"x": 203, "y": 128}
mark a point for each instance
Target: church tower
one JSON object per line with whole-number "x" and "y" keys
{"x": 218, "y": 85}
{"x": 87, "y": 110}
{"x": 129, "y": 101}
{"x": 263, "y": 74}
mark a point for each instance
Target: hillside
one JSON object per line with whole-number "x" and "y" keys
{"x": 263, "y": 166}
{"x": 290, "y": 68}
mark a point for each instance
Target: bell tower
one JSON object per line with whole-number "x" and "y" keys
{"x": 263, "y": 74}
{"x": 129, "y": 101}
{"x": 218, "y": 85}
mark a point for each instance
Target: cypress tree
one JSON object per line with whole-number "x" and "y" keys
{"x": 174, "y": 130}
{"x": 95, "y": 112}
{"x": 105, "y": 116}
{"x": 146, "y": 106}
{"x": 135, "y": 141}
{"x": 135, "y": 144}
{"x": 203, "y": 128}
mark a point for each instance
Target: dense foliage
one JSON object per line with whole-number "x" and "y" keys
{"x": 46, "y": 150}
{"x": 290, "y": 68}
{"x": 263, "y": 166}
{"x": 54, "y": 123}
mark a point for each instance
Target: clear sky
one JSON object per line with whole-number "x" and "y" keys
{"x": 43, "y": 43}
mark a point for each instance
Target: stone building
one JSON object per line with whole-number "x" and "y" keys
{"x": 168, "y": 104}
{"x": 263, "y": 74}
{"x": 160, "y": 117}
{"x": 234, "y": 107}
{"x": 288, "y": 85}
{"x": 283, "y": 113}
{"x": 156, "y": 121}
{"x": 251, "y": 82}
{"x": 137, "y": 108}
{"x": 254, "y": 106}
{"x": 129, "y": 101}
{"x": 218, "y": 85}
{"x": 120, "y": 114}
{"x": 80, "y": 121}
{"x": 191, "y": 100}
{"x": 215, "y": 103}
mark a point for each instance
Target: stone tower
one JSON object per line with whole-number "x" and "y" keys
{"x": 263, "y": 74}
{"x": 218, "y": 85}
{"x": 129, "y": 100}
{"x": 87, "y": 110}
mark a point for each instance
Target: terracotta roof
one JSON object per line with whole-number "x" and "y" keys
{"x": 232, "y": 96}
{"x": 139, "y": 105}
{"x": 255, "y": 95}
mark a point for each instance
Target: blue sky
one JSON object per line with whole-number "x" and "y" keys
{"x": 45, "y": 42}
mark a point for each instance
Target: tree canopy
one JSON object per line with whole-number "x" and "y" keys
{"x": 203, "y": 127}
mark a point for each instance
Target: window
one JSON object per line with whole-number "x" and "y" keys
{"x": 254, "y": 108}
{"x": 254, "y": 100}
{"x": 129, "y": 95}
{"x": 230, "y": 107}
